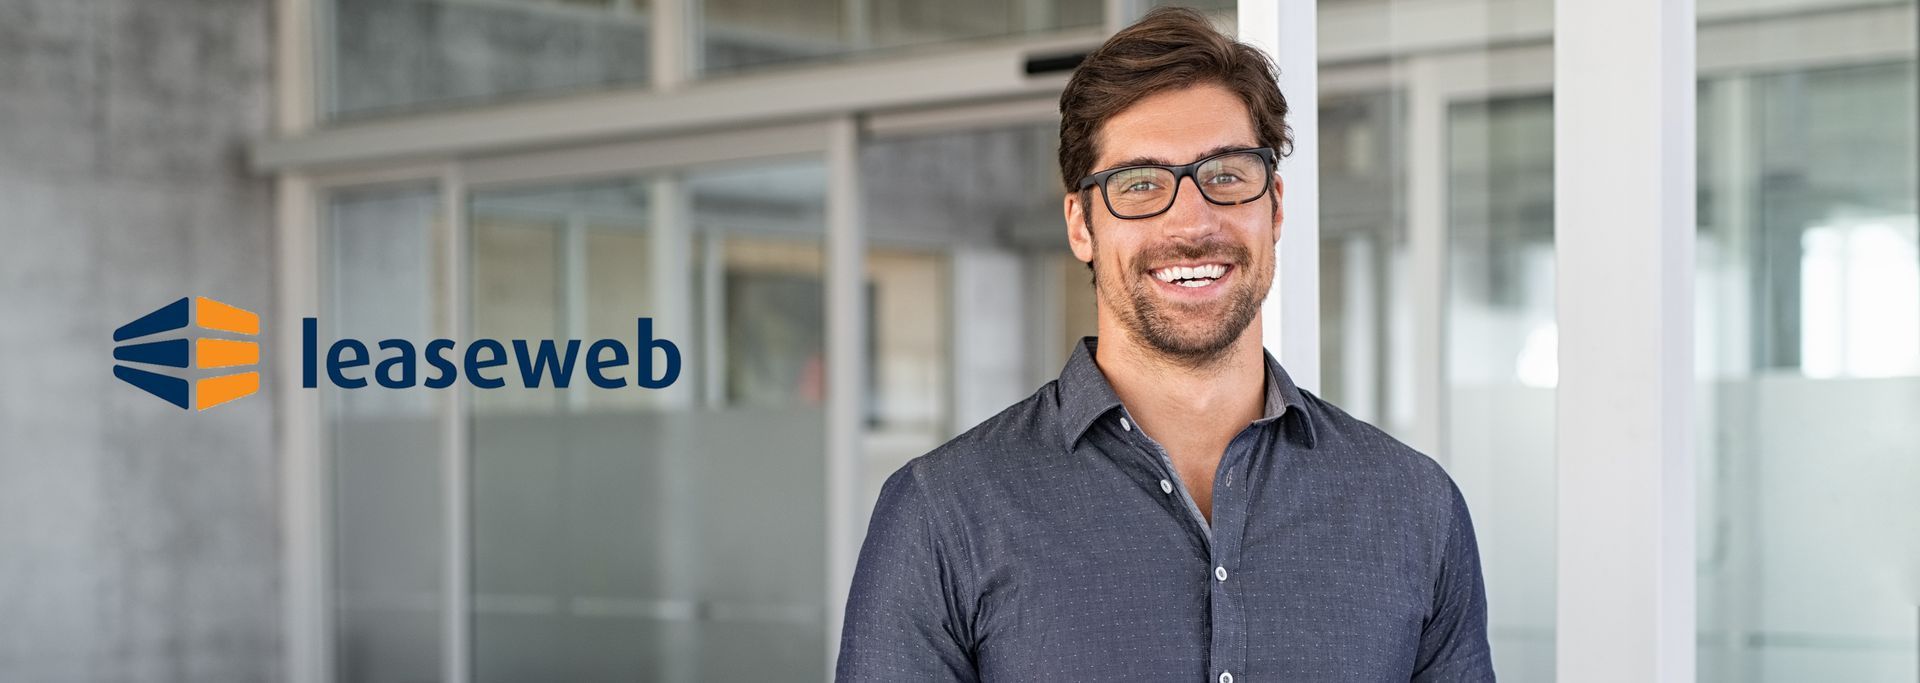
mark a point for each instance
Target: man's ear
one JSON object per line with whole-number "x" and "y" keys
{"x": 1077, "y": 236}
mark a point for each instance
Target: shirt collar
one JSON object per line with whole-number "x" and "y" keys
{"x": 1086, "y": 396}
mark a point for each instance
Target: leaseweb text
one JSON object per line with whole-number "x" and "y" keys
{"x": 401, "y": 364}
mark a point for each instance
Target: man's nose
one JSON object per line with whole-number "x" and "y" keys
{"x": 1191, "y": 213}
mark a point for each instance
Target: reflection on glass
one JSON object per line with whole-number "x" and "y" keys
{"x": 776, "y": 340}
{"x": 393, "y": 56}
{"x": 633, "y": 534}
{"x": 1436, "y": 266}
{"x": 1501, "y": 361}
{"x": 1808, "y": 329}
{"x": 1860, "y": 299}
{"x": 737, "y": 34}
{"x": 909, "y": 389}
{"x": 385, "y": 446}
{"x": 975, "y": 297}
{"x": 1226, "y": 6}
{"x": 1362, "y": 227}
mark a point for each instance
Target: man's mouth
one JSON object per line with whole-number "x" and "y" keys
{"x": 1198, "y": 275}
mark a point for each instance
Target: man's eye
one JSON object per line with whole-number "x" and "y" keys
{"x": 1139, "y": 186}
{"x": 1223, "y": 179}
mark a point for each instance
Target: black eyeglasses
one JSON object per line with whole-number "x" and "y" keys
{"x": 1145, "y": 191}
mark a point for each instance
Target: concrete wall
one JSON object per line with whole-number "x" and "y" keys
{"x": 138, "y": 542}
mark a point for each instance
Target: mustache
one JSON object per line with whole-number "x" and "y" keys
{"x": 1217, "y": 250}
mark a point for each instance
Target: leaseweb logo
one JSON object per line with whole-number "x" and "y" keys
{"x": 403, "y": 362}
{"x": 204, "y": 352}
{"x": 400, "y": 366}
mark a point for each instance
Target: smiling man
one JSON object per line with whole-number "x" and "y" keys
{"x": 1172, "y": 508}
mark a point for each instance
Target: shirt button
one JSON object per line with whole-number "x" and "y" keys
{"x": 1124, "y": 424}
{"x": 1166, "y": 486}
{"x": 1221, "y": 574}
{"x": 1226, "y": 677}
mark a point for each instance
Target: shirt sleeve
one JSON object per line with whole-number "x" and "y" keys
{"x": 903, "y": 619}
{"x": 1453, "y": 642}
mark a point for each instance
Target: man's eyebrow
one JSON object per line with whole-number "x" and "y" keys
{"x": 1157, "y": 161}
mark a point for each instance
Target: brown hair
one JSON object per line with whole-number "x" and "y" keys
{"x": 1168, "y": 49}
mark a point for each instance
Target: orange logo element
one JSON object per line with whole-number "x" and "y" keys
{"x": 203, "y": 352}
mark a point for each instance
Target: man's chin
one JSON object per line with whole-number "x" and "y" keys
{"x": 1197, "y": 343}
{"x": 1193, "y": 331}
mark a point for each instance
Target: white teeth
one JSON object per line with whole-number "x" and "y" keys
{"x": 1208, "y": 273}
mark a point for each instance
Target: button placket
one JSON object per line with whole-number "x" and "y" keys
{"x": 1229, "y": 526}
{"x": 1168, "y": 487}
{"x": 1161, "y": 463}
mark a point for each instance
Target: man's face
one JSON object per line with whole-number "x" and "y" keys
{"x": 1151, "y": 274}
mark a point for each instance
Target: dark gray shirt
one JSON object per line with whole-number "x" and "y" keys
{"x": 1055, "y": 542}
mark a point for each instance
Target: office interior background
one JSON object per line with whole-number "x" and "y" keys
{"x": 553, "y": 168}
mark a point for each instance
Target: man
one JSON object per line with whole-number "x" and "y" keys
{"x": 1172, "y": 508}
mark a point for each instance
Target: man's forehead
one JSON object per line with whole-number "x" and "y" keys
{"x": 1175, "y": 127}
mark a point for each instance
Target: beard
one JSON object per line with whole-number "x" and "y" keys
{"x": 1192, "y": 334}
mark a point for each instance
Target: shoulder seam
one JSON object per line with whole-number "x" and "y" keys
{"x": 936, "y": 522}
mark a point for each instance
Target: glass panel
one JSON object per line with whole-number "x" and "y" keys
{"x": 775, "y": 344}
{"x": 635, "y": 534}
{"x": 738, "y": 34}
{"x": 1501, "y": 362}
{"x": 394, "y": 56}
{"x": 1808, "y": 339}
{"x": 908, "y": 291}
{"x": 1363, "y": 256}
{"x": 1436, "y": 262}
{"x": 1225, "y": 7}
{"x": 976, "y": 299}
{"x": 388, "y": 57}
{"x": 387, "y": 519}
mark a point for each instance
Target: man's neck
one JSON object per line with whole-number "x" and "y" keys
{"x": 1186, "y": 406}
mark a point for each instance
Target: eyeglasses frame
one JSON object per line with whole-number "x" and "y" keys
{"x": 1180, "y": 172}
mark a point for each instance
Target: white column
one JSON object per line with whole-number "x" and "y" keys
{"x": 987, "y": 283}
{"x": 713, "y": 328}
{"x": 675, "y": 52}
{"x": 1624, "y": 233}
{"x": 846, "y": 366}
{"x": 1119, "y": 13}
{"x": 455, "y": 426}
{"x": 1361, "y": 333}
{"x": 1427, "y": 272}
{"x": 670, "y": 280}
{"x": 571, "y": 263}
{"x": 856, "y": 24}
{"x": 307, "y": 620}
{"x": 302, "y": 441}
{"x": 669, "y": 230}
{"x": 1287, "y": 31}
{"x": 295, "y": 71}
